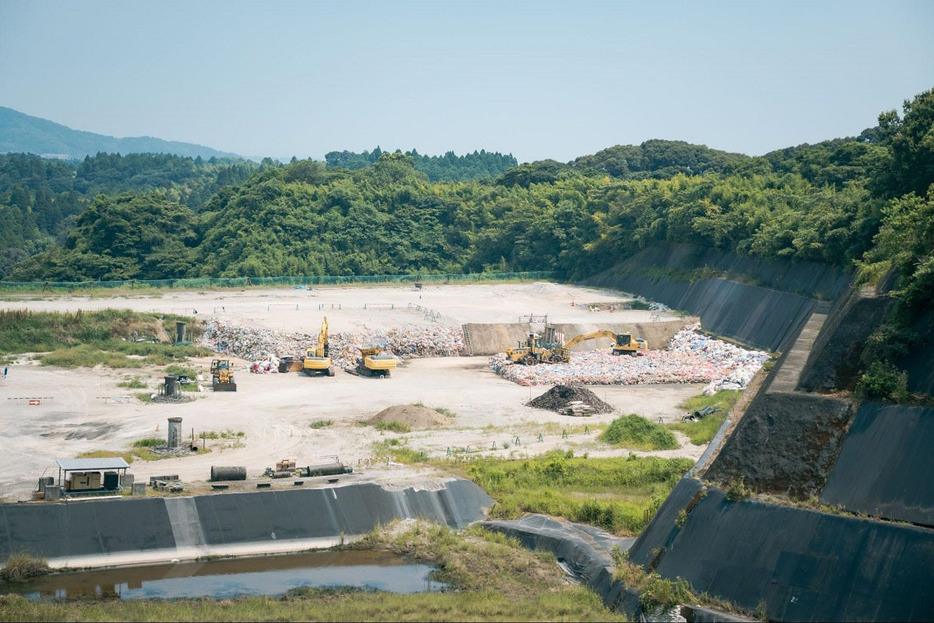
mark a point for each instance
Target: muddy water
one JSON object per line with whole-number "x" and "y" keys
{"x": 222, "y": 579}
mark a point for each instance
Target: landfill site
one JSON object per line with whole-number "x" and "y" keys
{"x": 809, "y": 504}
{"x": 453, "y": 387}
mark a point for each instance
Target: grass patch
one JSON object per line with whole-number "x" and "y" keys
{"x": 636, "y": 432}
{"x": 395, "y": 427}
{"x": 20, "y": 567}
{"x": 149, "y": 442}
{"x": 113, "y": 338}
{"x": 398, "y": 451}
{"x": 133, "y": 382}
{"x": 321, "y": 424}
{"x": 224, "y": 434}
{"x": 106, "y": 454}
{"x": 619, "y": 494}
{"x": 702, "y": 431}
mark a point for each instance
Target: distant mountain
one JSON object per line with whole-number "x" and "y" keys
{"x": 32, "y": 135}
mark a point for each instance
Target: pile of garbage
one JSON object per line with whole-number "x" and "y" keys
{"x": 262, "y": 346}
{"x": 561, "y": 397}
{"x": 691, "y": 357}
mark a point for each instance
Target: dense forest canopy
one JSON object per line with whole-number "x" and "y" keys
{"x": 480, "y": 165}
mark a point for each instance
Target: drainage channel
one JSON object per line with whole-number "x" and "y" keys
{"x": 227, "y": 578}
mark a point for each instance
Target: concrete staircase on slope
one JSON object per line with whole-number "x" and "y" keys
{"x": 787, "y": 377}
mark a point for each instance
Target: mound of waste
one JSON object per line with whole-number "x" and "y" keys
{"x": 560, "y": 397}
{"x": 691, "y": 357}
{"x": 255, "y": 343}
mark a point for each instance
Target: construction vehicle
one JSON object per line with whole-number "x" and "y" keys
{"x": 375, "y": 362}
{"x": 548, "y": 349}
{"x": 623, "y": 343}
{"x": 318, "y": 360}
{"x": 222, "y": 378}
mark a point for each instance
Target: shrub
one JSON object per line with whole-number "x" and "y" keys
{"x": 20, "y": 567}
{"x": 321, "y": 423}
{"x": 633, "y": 431}
{"x": 395, "y": 427}
{"x": 883, "y": 381}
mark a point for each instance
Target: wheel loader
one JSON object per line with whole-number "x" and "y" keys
{"x": 535, "y": 350}
{"x": 222, "y": 378}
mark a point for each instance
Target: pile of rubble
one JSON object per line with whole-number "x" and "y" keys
{"x": 691, "y": 357}
{"x": 568, "y": 400}
{"x": 264, "y": 345}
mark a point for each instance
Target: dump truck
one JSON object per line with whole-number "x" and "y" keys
{"x": 317, "y": 360}
{"x": 623, "y": 343}
{"x": 222, "y": 378}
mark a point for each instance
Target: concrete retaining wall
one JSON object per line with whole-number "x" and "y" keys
{"x": 127, "y": 531}
{"x": 803, "y": 565}
{"x": 766, "y": 315}
{"x": 490, "y": 339}
{"x": 885, "y": 467}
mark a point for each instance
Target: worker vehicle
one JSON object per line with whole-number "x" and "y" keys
{"x": 318, "y": 360}
{"x": 222, "y": 378}
{"x": 623, "y": 343}
{"x": 375, "y": 362}
{"x": 540, "y": 349}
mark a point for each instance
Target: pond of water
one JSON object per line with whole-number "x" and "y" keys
{"x": 223, "y": 579}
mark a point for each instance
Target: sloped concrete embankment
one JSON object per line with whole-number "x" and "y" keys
{"x": 885, "y": 468}
{"x": 767, "y": 315}
{"x": 490, "y": 339}
{"x": 801, "y": 565}
{"x": 133, "y": 531}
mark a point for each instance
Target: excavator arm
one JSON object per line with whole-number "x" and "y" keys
{"x": 590, "y": 336}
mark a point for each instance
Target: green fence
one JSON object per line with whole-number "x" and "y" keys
{"x": 243, "y": 282}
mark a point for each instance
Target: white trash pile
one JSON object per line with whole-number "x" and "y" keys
{"x": 691, "y": 357}
{"x": 258, "y": 345}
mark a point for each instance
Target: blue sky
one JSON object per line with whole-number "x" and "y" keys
{"x": 535, "y": 79}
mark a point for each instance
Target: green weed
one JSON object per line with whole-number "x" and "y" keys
{"x": 633, "y": 431}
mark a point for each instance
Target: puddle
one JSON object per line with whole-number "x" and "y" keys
{"x": 223, "y": 579}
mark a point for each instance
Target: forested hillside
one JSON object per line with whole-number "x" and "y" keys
{"x": 824, "y": 202}
{"x": 480, "y": 165}
{"x": 40, "y": 198}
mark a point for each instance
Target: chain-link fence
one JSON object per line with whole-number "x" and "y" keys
{"x": 243, "y": 282}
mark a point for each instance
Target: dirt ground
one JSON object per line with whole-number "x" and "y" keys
{"x": 84, "y": 410}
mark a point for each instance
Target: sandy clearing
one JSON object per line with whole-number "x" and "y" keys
{"x": 84, "y": 410}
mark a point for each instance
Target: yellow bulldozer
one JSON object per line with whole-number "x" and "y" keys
{"x": 317, "y": 360}
{"x": 623, "y": 343}
{"x": 222, "y": 378}
{"x": 375, "y": 362}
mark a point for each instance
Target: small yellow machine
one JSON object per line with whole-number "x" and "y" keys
{"x": 546, "y": 350}
{"x": 317, "y": 360}
{"x": 222, "y": 378}
{"x": 374, "y": 362}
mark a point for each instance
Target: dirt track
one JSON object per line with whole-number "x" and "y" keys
{"x": 83, "y": 410}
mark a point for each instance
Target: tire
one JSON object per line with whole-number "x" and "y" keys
{"x": 529, "y": 360}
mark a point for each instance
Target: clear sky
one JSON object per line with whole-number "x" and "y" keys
{"x": 535, "y": 79}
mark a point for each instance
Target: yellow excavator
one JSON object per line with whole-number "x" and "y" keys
{"x": 317, "y": 360}
{"x": 623, "y": 343}
{"x": 375, "y": 362}
{"x": 222, "y": 378}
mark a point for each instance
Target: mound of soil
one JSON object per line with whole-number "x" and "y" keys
{"x": 560, "y": 396}
{"x": 413, "y": 416}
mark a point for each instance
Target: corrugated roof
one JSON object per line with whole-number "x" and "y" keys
{"x": 92, "y": 464}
